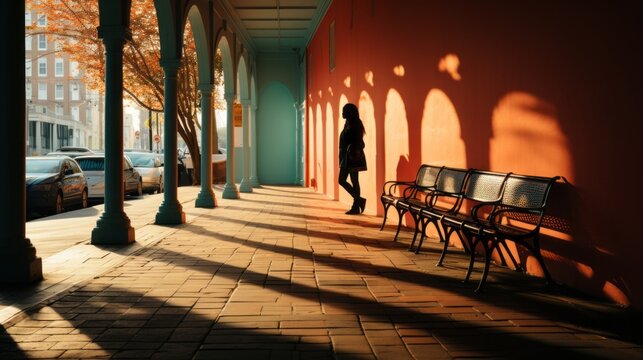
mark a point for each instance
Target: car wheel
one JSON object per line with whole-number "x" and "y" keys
{"x": 58, "y": 205}
{"x": 83, "y": 200}
{"x": 139, "y": 189}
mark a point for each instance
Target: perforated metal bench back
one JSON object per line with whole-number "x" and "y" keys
{"x": 526, "y": 192}
{"x": 451, "y": 180}
{"x": 484, "y": 186}
{"x": 427, "y": 175}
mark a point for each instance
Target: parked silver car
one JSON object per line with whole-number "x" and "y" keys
{"x": 94, "y": 168}
{"x": 150, "y": 166}
{"x": 54, "y": 183}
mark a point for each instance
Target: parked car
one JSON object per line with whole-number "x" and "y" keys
{"x": 54, "y": 183}
{"x": 94, "y": 168}
{"x": 150, "y": 166}
{"x": 70, "y": 151}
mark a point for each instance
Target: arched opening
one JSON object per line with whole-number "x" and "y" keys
{"x": 276, "y": 135}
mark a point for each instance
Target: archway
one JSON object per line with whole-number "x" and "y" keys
{"x": 276, "y": 135}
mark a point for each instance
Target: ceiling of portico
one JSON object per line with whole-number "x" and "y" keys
{"x": 276, "y": 25}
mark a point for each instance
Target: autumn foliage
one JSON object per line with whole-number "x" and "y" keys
{"x": 75, "y": 22}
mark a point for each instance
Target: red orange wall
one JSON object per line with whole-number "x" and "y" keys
{"x": 536, "y": 87}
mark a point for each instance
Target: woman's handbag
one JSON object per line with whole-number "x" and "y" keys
{"x": 355, "y": 158}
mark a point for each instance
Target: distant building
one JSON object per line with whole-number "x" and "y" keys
{"x": 61, "y": 111}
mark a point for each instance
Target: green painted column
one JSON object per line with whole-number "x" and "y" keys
{"x": 254, "y": 179}
{"x": 18, "y": 261}
{"x": 170, "y": 212}
{"x": 113, "y": 227}
{"x": 206, "y": 198}
{"x": 246, "y": 185}
{"x": 230, "y": 190}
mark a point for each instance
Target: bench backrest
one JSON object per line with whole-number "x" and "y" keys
{"x": 484, "y": 186}
{"x": 527, "y": 192}
{"x": 451, "y": 180}
{"x": 427, "y": 175}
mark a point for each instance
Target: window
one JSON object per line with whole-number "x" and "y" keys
{"x": 45, "y": 135}
{"x": 42, "y": 19}
{"x": 28, "y": 91}
{"x": 60, "y": 110}
{"x": 75, "y": 91}
{"x": 62, "y": 133}
{"x": 42, "y": 67}
{"x": 75, "y": 113}
{"x": 60, "y": 91}
{"x": 27, "y": 18}
{"x": 73, "y": 69}
{"x": 32, "y": 134}
{"x": 28, "y": 42}
{"x": 42, "y": 91}
{"x": 28, "y": 68}
{"x": 42, "y": 42}
{"x": 60, "y": 67}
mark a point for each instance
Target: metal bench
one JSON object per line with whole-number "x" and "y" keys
{"x": 410, "y": 191}
{"x": 517, "y": 216}
{"x": 445, "y": 198}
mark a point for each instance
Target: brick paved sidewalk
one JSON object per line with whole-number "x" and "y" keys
{"x": 284, "y": 274}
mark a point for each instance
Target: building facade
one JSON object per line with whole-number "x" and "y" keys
{"x": 61, "y": 111}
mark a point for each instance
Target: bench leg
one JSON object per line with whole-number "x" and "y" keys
{"x": 474, "y": 243}
{"x": 399, "y": 222}
{"x": 425, "y": 222}
{"x": 447, "y": 236}
{"x": 437, "y": 227}
{"x": 386, "y": 206}
{"x": 465, "y": 242}
{"x": 487, "y": 263}
{"x": 417, "y": 221}
{"x": 517, "y": 267}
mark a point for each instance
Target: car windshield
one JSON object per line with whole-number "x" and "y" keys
{"x": 43, "y": 166}
{"x": 141, "y": 159}
{"x": 91, "y": 164}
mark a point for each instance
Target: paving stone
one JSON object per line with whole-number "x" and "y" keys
{"x": 273, "y": 277}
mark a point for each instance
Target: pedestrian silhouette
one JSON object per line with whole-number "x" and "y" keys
{"x": 351, "y": 156}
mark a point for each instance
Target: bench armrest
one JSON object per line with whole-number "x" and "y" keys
{"x": 475, "y": 211}
{"x": 435, "y": 195}
{"x": 390, "y": 186}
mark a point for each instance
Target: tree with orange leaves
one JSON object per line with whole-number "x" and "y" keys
{"x": 75, "y": 22}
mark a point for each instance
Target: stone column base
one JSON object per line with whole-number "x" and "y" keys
{"x": 206, "y": 199}
{"x": 230, "y": 191}
{"x": 245, "y": 186}
{"x": 17, "y": 270}
{"x": 170, "y": 214}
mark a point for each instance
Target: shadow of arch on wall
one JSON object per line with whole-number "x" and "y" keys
{"x": 311, "y": 154}
{"x": 276, "y": 144}
{"x": 331, "y": 184}
{"x": 319, "y": 150}
{"x": 440, "y": 138}
{"x": 368, "y": 179}
{"x": 396, "y": 140}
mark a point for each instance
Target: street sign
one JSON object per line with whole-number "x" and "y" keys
{"x": 137, "y": 134}
{"x": 157, "y": 138}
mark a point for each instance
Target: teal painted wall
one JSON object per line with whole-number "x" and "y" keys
{"x": 279, "y": 146}
{"x": 276, "y": 136}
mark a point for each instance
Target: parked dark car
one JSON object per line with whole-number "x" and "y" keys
{"x": 54, "y": 184}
